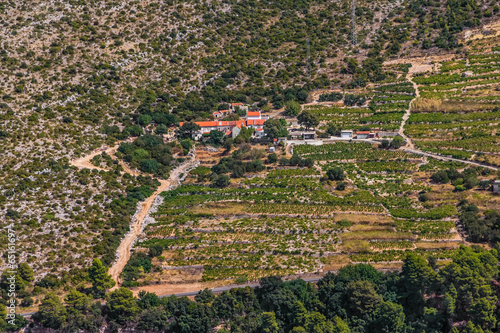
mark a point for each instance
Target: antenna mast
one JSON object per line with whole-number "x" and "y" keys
{"x": 354, "y": 38}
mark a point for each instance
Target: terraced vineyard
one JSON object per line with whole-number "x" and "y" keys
{"x": 294, "y": 221}
{"x": 458, "y": 113}
{"x": 382, "y": 109}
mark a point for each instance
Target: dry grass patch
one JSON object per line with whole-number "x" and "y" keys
{"x": 376, "y": 234}
{"x": 491, "y": 158}
{"x": 364, "y": 218}
{"x": 220, "y": 208}
{"x": 387, "y": 266}
{"x": 484, "y": 200}
{"x": 437, "y": 245}
{"x": 336, "y": 262}
{"x": 175, "y": 276}
{"x": 370, "y": 227}
{"x": 358, "y": 246}
{"x": 438, "y": 105}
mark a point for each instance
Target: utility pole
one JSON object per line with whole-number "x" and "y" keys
{"x": 354, "y": 38}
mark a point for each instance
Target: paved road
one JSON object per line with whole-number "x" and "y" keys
{"x": 444, "y": 158}
{"x": 214, "y": 290}
{"x": 231, "y": 286}
{"x": 320, "y": 141}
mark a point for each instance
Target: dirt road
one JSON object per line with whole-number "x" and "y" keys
{"x": 123, "y": 251}
{"x": 84, "y": 162}
{"x": 407, "y": 114}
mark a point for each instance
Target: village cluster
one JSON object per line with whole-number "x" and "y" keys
{"x": 255, "y": 120}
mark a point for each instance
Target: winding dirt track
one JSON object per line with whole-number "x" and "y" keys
{"x": 84, "y": 162}
{"x": 408, "y": 113}
{"x": 123, "y": 251}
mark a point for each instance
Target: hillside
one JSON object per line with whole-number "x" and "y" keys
{"x": 92, "y": 94}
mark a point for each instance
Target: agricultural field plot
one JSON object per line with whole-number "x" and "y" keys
{"x": 296, "y": 220}
{"x": 458, "y": 113}
{"x": 379, "y": 108}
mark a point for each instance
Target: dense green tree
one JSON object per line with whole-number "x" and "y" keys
{"x": 471, "y": 182}
{"x": 361, "y": 298}
{"x": 416, "y": 278}
{"x": 187, "y": 130}
{"x": 205, "y": 296}
{"x": 389, "y": 318}
{"x": 333, "y": 129}
{"x": 272, "y": 158}
{"x": 144, "y": 120}
{"x": 441, "y": 177}
{"x": 245, "y": 135}
{"x": 26, "y": 272}
{"x": 313, "y": 322}
{"x": 222, "y": 181}
{"x": 77, "y": 301}
{"x": 268, "y": 323}
{"x": 292, "y": 108}
{"x": 154, "y": 319}
{"x": 275, "y": 128}
{"x": 216, "y": 137}
{"x": 51, "y": 312}
{"x": 101, "y": 280}
{"x": 161, "y": 129}
{"x": 335, "y": 173}
{"x": 471, "y": 328}
{"x": 308, "y": 119}
{"x": 149, "y": 165}
{"x": 148, "y": 300}
{"x": 340, "y": 326}
{"x": 471, "y": 273}
{"x": 3, "y": 317}
{"x": 122, "y": 305}
{"x": 397, "y": 142}
{"x": 226, "y": 306}
{"x": 358, "y": 272}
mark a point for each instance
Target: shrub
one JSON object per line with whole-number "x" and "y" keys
{"x": 397, "y": 142}
{"x": 440, "y": 177}
{"x": 336, "y": 174}
{"x": 272, "y": 158}
{"x": 221, "y": 181}
{"x": 292, "y": 108}
{"x": 341, "y": 186}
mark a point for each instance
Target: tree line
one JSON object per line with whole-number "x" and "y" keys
{"x": 425, "y": 296}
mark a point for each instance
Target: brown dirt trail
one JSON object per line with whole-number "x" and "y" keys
{"x": 123, "y": 251}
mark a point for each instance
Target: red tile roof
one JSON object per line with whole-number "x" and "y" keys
{"x": 233, "y": 123}
{"x": 363, "y": 132}
{"x": 236, "y": 104}
{"x": 253, "y": 114}
{"x": 255, "y": 122}
{"x": 205, "y": 123}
